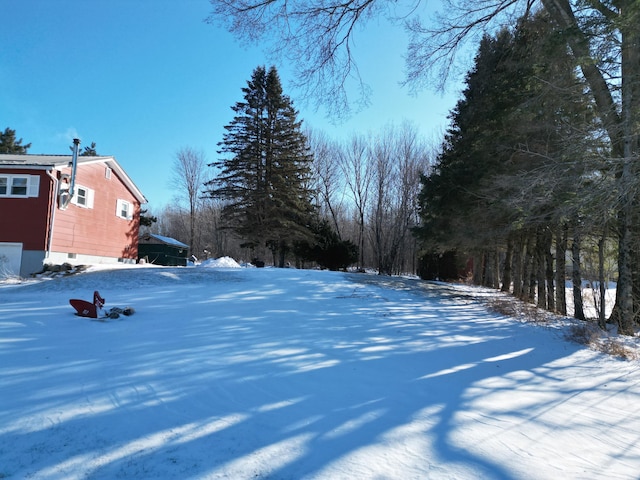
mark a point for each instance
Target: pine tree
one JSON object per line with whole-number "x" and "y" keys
{"x": 264, "y": 179}
{"x": 9, "y": 144}
{"x": 90, "y": 151}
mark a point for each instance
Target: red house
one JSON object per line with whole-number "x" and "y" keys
{"x": 72, "y": 209}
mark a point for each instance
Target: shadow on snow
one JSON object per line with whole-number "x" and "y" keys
{"x": 287, "y": 380}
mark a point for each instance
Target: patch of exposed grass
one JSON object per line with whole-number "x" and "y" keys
{"x": 512, "y": 307}
{"x": 582, "y": 332}
{"x": 589, "y": 335}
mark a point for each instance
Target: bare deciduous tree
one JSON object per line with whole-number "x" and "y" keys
{"x": 188, "y": 179}
{"x": 398, "y": 159}
{"x": 329, "y": 186}
{"x": 358, "y": 176}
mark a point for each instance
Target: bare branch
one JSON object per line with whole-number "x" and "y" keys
{"x": 188, "y": 179}
{"x": 316, "y": 36}
{"x": 434, "y": 46}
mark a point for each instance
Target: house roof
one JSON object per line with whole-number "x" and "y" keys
{"x": 48, "y": 162}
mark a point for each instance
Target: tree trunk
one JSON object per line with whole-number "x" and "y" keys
{"x": 517, "y": 266}
{"x": 283, "y": 249}
{"x": 561, "y": 266}
{"x": 506, "y": 272}
{"x": 496, "y": 268}
{"x": 576, "y": 278}
{"x": 489, "y": 273}
{"x": 192, "y": 226}
{"x": 602, "y": 321}
{"x": 492, "y": 269}
{"x": 624, "y": 294}
{"x": 526, "y": 270}
{"x": 361, "y": 240}
{"x": 478, "y": 269}
{"x": 540, "y": 270}
{"x": 549, "y": 272}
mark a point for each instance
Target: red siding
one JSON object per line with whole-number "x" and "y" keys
{"x": 97, "y": 230}
{"x": 25, "y": 219}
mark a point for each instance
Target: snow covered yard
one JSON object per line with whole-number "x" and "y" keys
{"x": 293, "y": 374}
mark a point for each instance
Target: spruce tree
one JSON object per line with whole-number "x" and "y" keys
{"x": 264, "y": 175}
{"x": 9, "y": 143}
{"x": 90, "y": 151}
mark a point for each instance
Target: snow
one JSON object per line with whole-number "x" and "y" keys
{"x": 245, "y": 373}
{"x": 169, "y": 240}
{"x": 223, "y": 262}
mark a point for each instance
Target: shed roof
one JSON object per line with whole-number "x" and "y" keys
{"x": 166, "y": 240}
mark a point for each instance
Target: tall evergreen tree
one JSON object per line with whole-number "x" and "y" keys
{"x": 9, "y": 143}
{"x": 507, "y": 172}
{"x": 454, "y": 208}
{"x": 265, "y": 176}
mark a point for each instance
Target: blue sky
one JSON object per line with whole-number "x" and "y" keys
{"x": 143, "y": 78}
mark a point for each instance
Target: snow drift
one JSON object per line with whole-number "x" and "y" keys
{"x": 222, "y": 262}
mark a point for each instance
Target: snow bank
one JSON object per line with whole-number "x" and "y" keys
{"x": 222, "y": 262}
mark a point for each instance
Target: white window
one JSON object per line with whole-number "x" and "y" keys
{"x": 83, "y": 197}
{"x": 19, "y": 186}
{"x": 107, "y": 173}
{"x": 124, "y": 209}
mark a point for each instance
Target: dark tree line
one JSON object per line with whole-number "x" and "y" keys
{"x": 521, "y": 178}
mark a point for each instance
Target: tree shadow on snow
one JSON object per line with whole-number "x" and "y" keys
{"x": 362, "y": 377}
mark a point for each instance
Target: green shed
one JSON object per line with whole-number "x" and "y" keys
{"x": 160, "y": 250}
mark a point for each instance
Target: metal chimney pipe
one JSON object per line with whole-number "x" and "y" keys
{"x": 65, "y": 196}
{"x": 74, "y": 166}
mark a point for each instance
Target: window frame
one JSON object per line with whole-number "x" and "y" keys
{"x": 124, "y": 206}
{"x": 31, "y": 187}
{"x": 87, "y": 198}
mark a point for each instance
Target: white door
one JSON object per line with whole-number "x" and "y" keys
{"x": 10, "y": 259}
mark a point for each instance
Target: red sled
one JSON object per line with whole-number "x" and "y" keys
{"x": 88, "y": 309}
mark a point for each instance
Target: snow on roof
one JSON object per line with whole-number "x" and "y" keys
{"x": 168, "y": 240}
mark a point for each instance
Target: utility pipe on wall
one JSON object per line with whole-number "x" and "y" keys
{"x": 53, "y": 212}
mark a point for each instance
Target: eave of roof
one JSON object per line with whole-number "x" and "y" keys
{"x": 46, "y": 162}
